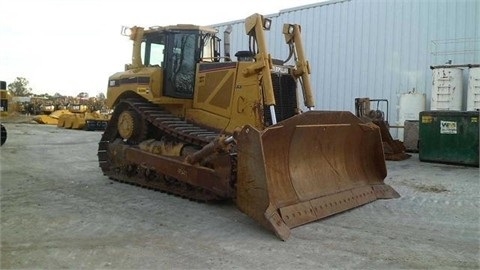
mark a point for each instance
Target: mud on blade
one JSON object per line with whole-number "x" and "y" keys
{"x": 309, "y": 167}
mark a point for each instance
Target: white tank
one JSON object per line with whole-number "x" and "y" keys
{"x": 447, "y": 89}
{"x": 473, "y": 92}
{"x": 410, "y": 106}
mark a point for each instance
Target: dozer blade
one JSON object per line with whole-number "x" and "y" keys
{"x": 309, "y": 167}
{"x": 45, "y": 119}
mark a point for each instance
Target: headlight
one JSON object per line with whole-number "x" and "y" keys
{"x": 290, "y": 29}
{"x": 267, "y": 23}
{"x": 126, "y": 31}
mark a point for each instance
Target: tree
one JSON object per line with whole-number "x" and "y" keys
{"x": 20, "y": 88}
{"x": 101, "y": 96}
{"x": 82, "y": 95}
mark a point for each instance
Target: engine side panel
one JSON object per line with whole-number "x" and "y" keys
{"x": 226, "y": 99}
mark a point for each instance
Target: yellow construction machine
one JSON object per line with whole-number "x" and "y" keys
{"x": 189, "y": 121}
{"x": 79, "y": 116}
{"x": 51, "y": 118}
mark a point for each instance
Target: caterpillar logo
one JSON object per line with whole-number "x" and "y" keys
{"x": 448, "y": 127}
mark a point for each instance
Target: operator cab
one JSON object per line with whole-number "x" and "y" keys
{"x": 177, "y": 50}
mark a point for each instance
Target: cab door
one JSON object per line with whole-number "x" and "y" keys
{"x": 182, "y": 55}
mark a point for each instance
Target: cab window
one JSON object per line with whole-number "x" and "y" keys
{"x": 153, "y": 51}
{"x": 181, "y": 64}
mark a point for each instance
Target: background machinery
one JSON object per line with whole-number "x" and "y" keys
{"x": 393, "y": 149}
{"x": 189, "y": 121}
{"x": 5, "y": 99}
{"x": 81, "y": 116}
{"x": 74, "y": 113}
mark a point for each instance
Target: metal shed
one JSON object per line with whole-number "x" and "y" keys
{"x": 372, "y": 48}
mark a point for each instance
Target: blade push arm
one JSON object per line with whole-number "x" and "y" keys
{"x": 255, "y": 26}
{"x": 293, "y": 37}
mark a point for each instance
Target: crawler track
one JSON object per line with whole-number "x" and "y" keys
{"x": 162, "y": 122}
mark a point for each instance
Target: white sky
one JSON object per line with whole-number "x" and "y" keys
{"x": 73, "y": 46}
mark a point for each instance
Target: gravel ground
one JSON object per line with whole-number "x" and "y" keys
{"x": 59, "y": 211}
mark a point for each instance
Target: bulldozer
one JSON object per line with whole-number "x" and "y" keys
{"x": 189, "y": 121}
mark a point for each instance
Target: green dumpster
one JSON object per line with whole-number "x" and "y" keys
{"x": 449, "y": 137}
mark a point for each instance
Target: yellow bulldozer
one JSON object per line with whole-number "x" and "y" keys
{"x": 191, "y": 122}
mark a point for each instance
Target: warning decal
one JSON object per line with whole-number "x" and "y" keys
{"x": 427, "y": 119}
{"x": 448, "y": 127}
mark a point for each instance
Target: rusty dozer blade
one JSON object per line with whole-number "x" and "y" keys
{"x": 309, "y": 167}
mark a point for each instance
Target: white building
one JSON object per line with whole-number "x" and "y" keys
{"x": 375, "y": 48}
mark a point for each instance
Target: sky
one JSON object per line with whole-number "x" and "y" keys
{"x": 73, "y": 46}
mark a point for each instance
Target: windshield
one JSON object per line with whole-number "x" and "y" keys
{"x": 153, "y": 48}
{"x": 178, "y": 53}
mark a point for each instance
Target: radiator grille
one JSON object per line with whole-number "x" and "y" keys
{"x": 284, "y": 87}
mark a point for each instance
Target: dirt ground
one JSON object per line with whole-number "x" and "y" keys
{"x": 59, "y": 211}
